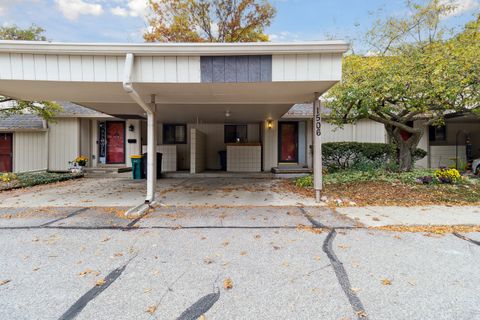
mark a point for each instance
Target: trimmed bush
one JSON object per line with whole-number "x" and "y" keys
{"x": 362, "y": 156}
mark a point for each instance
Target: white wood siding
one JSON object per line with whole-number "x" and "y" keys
{"x": 270, "y": 146}
{"x": 52, "y": 67}
{"x": 29, "y": 151}
{"x": 362, "y": 131}
{"x": 64, "y": 143}
{"x": 307, "y": 67}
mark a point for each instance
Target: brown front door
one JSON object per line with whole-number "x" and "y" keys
{"x": 288, "y": 142}
{"x": 6, "y": 152}
{"x": 115, "y": 142}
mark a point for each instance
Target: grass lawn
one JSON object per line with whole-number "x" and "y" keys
{"x": 388, "y": 188}
{"x": 21, "y": 180}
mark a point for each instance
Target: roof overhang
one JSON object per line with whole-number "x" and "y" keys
{"x": 91, "y": 75}
{"x": 173, "y": 49}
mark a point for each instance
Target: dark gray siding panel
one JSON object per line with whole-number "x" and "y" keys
{"x": 230, "y": 69}
{"x": 242, "y": 69}
{"x": 233, "y": 69}
{"x": 218, "y": 69}
{"x": 266, "y": 68}
{"x": 206, "y": 69}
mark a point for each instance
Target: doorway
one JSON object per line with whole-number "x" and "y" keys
{"x": 114, "y": 142}
{"x": 288, "y": 142}
{"x": 6, "y": 152}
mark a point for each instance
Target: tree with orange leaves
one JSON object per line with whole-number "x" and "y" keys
{"x": 209, "y": 20}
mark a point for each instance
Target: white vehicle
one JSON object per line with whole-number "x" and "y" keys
{"x": 476, "y": 166}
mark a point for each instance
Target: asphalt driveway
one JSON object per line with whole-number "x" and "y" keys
{"x": 283, "y": 263}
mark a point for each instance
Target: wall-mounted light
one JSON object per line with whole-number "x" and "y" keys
{"x": 269, "y": 124}
{"x": 227, "y": 113}
{"x": 131, "y": 128}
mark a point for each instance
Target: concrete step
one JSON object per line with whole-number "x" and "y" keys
{"x": 291, "y": 170}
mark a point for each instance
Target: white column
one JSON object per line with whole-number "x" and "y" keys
{"x": 151, "y": 153}
{"x": 317, "y": 148}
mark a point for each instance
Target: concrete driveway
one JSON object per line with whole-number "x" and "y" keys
{"x": 113, "y": 192}
{"x": 283, "y": 263}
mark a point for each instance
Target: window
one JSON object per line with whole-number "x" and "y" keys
{"x": 438, "y": 133}
{"x": 174, "y": 134}
{"x": 235, "y": 132}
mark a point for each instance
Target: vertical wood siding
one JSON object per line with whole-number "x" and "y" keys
{"x": 29, "y": 151}
{"x": 64, "y": 143}
{"x": 51, "y": 67}
{"x": 307, "y": 67}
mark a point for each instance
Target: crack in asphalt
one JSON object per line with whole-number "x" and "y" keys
{"x": 461, "y": 236}
{"x": 342, "y": 276}
{"x": 338, "y": 268}
{"x": 91, "y": 294}
{"x": 200, "y": 307}
{"x": 74, "y": 213}
{"x": 316, "y": 224}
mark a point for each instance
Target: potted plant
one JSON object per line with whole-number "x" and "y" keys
{"x": 78, "y": 165}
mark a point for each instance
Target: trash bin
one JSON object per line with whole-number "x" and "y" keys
{"x": 137, "y": 167}
{"x": 159, "y": 165}
{"x": 223, "y": 160}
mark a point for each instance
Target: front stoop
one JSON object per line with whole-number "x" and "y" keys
{"x": 105, "y": 172}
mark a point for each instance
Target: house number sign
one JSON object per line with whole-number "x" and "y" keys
{"x": 318, "y": 122}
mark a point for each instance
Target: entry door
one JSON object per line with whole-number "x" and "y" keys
{"x": 115, "y": 142}
{"x": 288, "y": 142}
{"x": 6, "y": 152}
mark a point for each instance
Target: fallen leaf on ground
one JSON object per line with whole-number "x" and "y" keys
{"x": 225, "y": 243}
{"x": 258, "y": 236}
{"x": 100, "y": 282}
{"x": 4, "y": 282}
{"x": 88, "y": 271}
{"x": 202, "y": 317}
{"x": 386, "y": 282}
{"x": 228, "y": 284}
{"x": 151, "y": 309}
{"x": 106, "y": 239}
{"x": 243, "y": 253}
{"x": 343, "y": 246}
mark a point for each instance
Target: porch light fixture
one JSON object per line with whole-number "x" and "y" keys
{"x": 131, "y": 128}
{"x": 269, "y": 124}
{"x": 227, "y": 113}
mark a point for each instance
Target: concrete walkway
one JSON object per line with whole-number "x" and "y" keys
{"x": 428, "y": 215}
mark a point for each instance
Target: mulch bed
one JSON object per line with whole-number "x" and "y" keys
{"x": 372, "y": 193}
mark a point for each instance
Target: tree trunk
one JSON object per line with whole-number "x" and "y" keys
{"x": 406, "y": 148}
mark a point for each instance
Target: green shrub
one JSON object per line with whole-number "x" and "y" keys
{"x": 304, "y": 182}
{"x": 362, "y": 156}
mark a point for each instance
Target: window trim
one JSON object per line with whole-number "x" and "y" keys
{"x": 164, "y": 128}
{"x": 432, "y": 134}
{"x": 236, "y": 132}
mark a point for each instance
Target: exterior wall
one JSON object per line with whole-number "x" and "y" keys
{"x": 85, "y": 142}
{"x": 133, "y": 148}
{"x": 198, "y": 143}
{"x": 270, "y": 146}
{"x": 215, "y": 142}
{"x": 30, "y": 151}
{"x": 444, "y": 156}
{"x": 242, "y": 158}
{"x": 362, "y": 131}
{"x": 472, "y": 128}
{"x": 307, "y": 67}
{"x": 64, "y": 143}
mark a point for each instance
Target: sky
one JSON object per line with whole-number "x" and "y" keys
{"x": 124, "y": 20}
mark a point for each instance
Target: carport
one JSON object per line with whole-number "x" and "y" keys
{"x": 256, "y": 82}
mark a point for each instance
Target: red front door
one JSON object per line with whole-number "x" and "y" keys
{"x": 6, "y": 152}
{"x": 115, "y": 142}
{"x": 288, "y": 138}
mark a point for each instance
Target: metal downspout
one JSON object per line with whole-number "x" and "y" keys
{"x": 151, "y": 132}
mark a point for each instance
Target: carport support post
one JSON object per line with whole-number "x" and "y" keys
{"x": 317, "y": 148}
{"x": 151, "y": 151}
